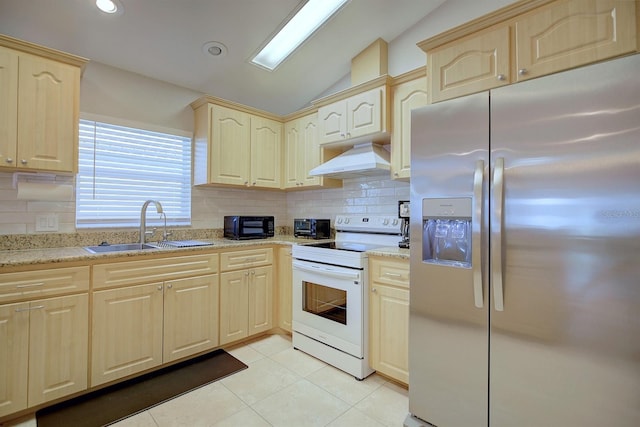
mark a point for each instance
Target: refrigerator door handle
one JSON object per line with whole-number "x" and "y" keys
{"x": 476, "y": 234}
{"x": 496, "y": 234}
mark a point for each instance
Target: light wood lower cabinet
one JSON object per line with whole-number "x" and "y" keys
{"x": 389, "y": 317}
{"x": 44, "y": 351}
{"x": 285, "y": 283}
{"x": 152, "y": 322}
{"x": 246, "y": 293}
{"x": 43, "y": 342}
{"x": 127, "y": 331}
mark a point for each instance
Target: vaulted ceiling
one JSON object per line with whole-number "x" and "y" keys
{"x": 163, "y": 39}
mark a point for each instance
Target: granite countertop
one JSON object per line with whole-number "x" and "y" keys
{"x": 23, "y": 257}
{"x": 390, "y": 251}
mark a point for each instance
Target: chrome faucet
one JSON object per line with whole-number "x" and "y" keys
{"x": 143, "y": 219}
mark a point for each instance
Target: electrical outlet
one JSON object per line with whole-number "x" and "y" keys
{"x": 48, "y": 222}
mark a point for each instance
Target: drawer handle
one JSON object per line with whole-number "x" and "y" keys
{"x": 30, "y": 285}
{"x": 36, "y": 307}
{"x": 398, "y": 275}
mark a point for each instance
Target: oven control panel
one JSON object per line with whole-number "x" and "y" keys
{"x": 368, "y": 223}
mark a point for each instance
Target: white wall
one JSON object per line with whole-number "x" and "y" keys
{"x": 112, "y": 92}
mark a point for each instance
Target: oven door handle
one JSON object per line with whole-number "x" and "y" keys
{"x": 327, "y": 271}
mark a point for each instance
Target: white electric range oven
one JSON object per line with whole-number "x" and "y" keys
{"x": 330, "y": 301}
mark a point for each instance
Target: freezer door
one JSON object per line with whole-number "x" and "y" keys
{"x": 448, "y": 326}
{"x": 565, "y": 323}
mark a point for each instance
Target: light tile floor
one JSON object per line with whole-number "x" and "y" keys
{"x": 281, "y": 387}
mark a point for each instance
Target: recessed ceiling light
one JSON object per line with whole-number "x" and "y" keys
{"x": 110, "y": 6}
{"x": 296, "y": 31}
{"x": 214, "y": 49}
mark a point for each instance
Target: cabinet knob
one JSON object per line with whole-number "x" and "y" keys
{"x": 522, "y": 71}
{"x": 501, "y": 77}
{"x": 396, "y": 174}
{"x": 169, "y": 286}
{"x": 9, "y": 160}
{"x": 374, "y": 290}
{"x": 254, "y": 183}
{"x": 159, "y": 287}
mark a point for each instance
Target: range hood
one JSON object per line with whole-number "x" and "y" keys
{"x": 366, "y": 159}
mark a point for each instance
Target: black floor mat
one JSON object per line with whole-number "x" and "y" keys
{"x": 122, "y": 400}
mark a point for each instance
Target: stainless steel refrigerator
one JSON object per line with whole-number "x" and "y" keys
{"x": 525, "y": 254}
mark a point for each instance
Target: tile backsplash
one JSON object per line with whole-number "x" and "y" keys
{"x": 210, "y": 204}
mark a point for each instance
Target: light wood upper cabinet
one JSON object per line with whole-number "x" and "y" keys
{"x": 389, "y": 317}
{"x": 473, "y": 64}
{"x": 40, "y": 132}
{"x": 266, "y": 153}
{"x": 230, "y": 146}
{"x": 407, "y": 96}
{"x": 8, "y": 107}
{"x": 527, "y": 39}
{"x": 570, "y": 33}
{"x": 235, "y": 147}
{"x": 302, "y": 152}
{"x": 357, "y": 116}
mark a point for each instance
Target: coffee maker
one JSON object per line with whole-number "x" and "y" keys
{"x": 404, "y": 213}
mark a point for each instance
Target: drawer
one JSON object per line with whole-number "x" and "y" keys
{"x": 246, "y": 258}
{"x": 43, "y": 283}
{"x": 390, "y": 271}
{"x": 152, "y": 270}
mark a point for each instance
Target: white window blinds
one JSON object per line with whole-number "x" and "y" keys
{"x": 121, "y": 167}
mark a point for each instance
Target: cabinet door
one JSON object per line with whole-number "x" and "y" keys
{"x": 266, "y": 153}
{"x": 234, "y": 309}
{"x": 126, "y": 331}
{"x": 406, "y": 97}
{"x": 389, "y": 323}
{"x": 230, "y": 146}
{"x": 332, "y": 122}
{"x": 474, "y": 64}
{"x": 364, "y": 113}
{"x": 48, "y": 114}
{"x": 302, "y": 152}
{"x": 58, "y": 347}
{"x": 309, "y": 155}
{"x": 292, "y": 154}
{"x": 8, "y": 106}
{"x": 190, "y": 316}
{"x": 285, "y": 283}
{"x": 570, "y": 33}
{"x": 14, "y": 357}
{"x": 260, "y": 299}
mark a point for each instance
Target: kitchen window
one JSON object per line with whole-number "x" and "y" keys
{"x": 121, "y": 167}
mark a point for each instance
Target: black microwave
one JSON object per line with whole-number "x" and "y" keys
{"x": 311, "y": 227}
{"x": 238, "y": 227}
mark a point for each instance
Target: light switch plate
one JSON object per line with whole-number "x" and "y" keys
{"x": 48, "y": 222}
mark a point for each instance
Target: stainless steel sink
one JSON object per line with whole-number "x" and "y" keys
{"x": 119, "y": 247}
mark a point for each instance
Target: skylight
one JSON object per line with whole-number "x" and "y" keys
{"x": 299, "y": 28}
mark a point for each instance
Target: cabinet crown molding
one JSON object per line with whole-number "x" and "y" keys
{"x": 501, "y": 15}
{"x": 42, "y": 51}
